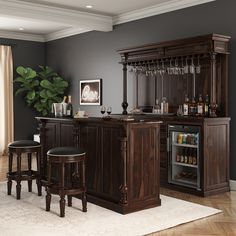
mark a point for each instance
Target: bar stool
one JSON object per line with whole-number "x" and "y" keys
{"x": 23, "y": 147}
{"x": 63, "y": 157}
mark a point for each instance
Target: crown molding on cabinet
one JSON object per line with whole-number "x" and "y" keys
{"x": 156, "y": 10}
{"x": 21, "y": 36}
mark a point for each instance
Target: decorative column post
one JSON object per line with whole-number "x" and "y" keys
{"x": 43, "y": 157}
{"x": 123, "y": 188}
{"x": 124, "y": 103}
{"x": 137, "y": 90}
{"x": 213, "y": 105}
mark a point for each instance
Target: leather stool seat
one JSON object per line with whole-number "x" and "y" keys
{"x": 66, "y": 151}
{"x": 24, "y": 143}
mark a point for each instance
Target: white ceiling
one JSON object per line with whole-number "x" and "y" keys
{"x": 45, "y": 20}
{"x": 107, "y": 7}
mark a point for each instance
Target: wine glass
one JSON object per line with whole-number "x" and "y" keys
{"x": 109, "y": 110}
{"x": 103, "y": 110}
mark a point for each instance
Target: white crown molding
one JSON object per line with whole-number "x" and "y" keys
{"x": 64, "y": 33}
{"x": 77, "y": 22}
{"x": 21, "y": 36}
{"x": 158, "y": 9}
{"x": 27, "y": 10}
{"x": 232, "y": 185}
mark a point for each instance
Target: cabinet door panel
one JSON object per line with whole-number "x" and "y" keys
{"x": 216, "y": 156}
{"x": 67, "y": 135}
{"x": 89, "y": 140}
{"x": 144, "y": 162}
{"x": 111, "y": 162}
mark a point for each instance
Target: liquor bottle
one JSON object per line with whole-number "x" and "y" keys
{"x": 186, "y": 105}
{"x": 64, "y": 105}
{"x": 157, "y": 107}
{"x": 200, "y": 106}
{"x": 164, "y": 106}
{"x": 206, "y": 106}
{"x": 192, "y": 107}
{"x": 69, "y": 108}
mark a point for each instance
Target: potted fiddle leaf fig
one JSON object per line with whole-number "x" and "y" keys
{"x": 41, "y": 89}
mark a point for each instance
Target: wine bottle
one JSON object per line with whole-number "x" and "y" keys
{"x": 200, "y": 106}
{"x": 186, "y": 105}
{"x": 206, "y": 106}
{"x": 64, "y": 105}
{"x": 69, "y": 107}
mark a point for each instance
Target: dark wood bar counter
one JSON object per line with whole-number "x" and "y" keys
{"x": 122, "y": 160}
{"x": 128, "y": 161}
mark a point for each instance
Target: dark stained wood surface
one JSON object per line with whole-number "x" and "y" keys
{"x": 122, "y": 160}
{"x": 212, "y": 51}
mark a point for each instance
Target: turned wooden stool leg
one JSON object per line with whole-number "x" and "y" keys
{"x": 84, "y": 197}
{"x": 69, "y": 200}
{"x": 48, "y": 199}
{"x": 30, "y": 171}
{"x": 9, "y": 182}
{"x": 38, "y": 180}
{"x": 62, "y": 191}
{"x": 84, "y": 202}
{"x": 48, "y": 196}
{"x": 62, "y": 206}
{"x": 18, "y": 180}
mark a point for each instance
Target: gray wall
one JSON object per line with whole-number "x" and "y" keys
{"x": 93, "y": 55}
{"x": 30, "y": 54}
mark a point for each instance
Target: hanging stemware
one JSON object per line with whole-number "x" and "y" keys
{"x": 198, "y": 67}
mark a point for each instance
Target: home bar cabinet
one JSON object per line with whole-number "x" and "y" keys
{"x": 174, "y": 69}
{"x": 130, "y": 155}
{"x": 122, "y": 158}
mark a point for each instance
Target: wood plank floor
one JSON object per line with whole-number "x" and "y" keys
{"x": 220, "y": 224}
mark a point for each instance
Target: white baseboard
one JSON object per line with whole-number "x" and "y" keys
{"x": 232, "y": 185}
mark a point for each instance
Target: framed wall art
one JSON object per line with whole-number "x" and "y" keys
{"x": 90, "y": 92}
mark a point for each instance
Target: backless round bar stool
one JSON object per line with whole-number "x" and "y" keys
{"x": 18, "y": 148}
{"x": 62, "y": 158}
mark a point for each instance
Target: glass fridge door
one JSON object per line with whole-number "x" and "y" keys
{"x": 184, "y": 156}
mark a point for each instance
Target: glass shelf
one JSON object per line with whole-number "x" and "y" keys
{"x": 184, "y": 164}
{"x": 187, "y": 181}
{"x": 185, "y": 145}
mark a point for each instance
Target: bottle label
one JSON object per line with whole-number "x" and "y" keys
{"x": 200, "y": 109}
{"x": 68, "y": 113}
{"x": 185, "y": 109}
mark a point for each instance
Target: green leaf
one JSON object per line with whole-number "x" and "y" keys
{"x": 44, "y": 100}
{"x": 20, "y": 90}
{"x": 26, "y": 73}
{"x": 41, "y": 89}
{"x": 20, "y": 70}
{"x": 35, "y": 83}
{"x": 46, "y": 84}
{"x": 43, "y": 94}
{"x": 51, "y": 94}
{"x": 20, "y": 79}
{"x": 31, "y": 95}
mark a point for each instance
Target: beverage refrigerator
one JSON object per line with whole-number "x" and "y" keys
{"x": 184, "y": 158}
